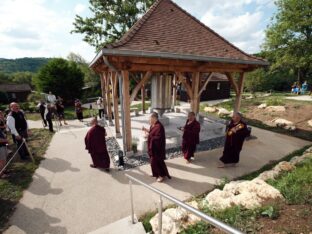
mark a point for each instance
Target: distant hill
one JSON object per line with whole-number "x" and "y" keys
{"x": 10, "y": 66}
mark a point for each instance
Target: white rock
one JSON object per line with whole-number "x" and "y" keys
{"x": 309, "y": 150}
{"x": 310, "y": 123}
{"x": 249, "y": 194}
{"x": 284, "y": 123}
{"x": 210, "y": 109}
{"x": 262, "y": 106}
{"x": 275, "y": 109}
{"x": 175, "y": 219}
{"x": 223, "y": 112}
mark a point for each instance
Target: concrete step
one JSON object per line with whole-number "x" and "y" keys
{"x": 122, "y": 226}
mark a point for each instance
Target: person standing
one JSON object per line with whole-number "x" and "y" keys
{"x": 78, "y": 109}
{"x": 60, "y": 111}
{"x": 41, "y": 106}
{"x": 51, "y": 98}
{"x": 156, "y": 143}
{"x": 96, "y": 145}
{"x": 2, "y": 122}
{"x": 17, "y": 124}
{"x": 235, "y": 135}
{"x": 48, "y": 117}
{"x": 3, "y": 150}
{"x": 100, "y": 107}
{"x": 190, "y": 137}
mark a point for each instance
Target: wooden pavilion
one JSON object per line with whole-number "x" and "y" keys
{"x": 168, "y": 40}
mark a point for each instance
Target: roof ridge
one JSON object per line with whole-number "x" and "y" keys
{"x": 212, "y": 31}
{"x": 136, "y": 27}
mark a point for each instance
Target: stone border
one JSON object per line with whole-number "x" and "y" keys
{"x": 142, "y": 159}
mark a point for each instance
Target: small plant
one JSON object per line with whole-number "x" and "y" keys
{"x": 222, "y": 183}
{"x": 275, "y": 101}
{"x": 270, "y": 211}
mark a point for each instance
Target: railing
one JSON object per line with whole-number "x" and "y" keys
{"x": 216, "y": 223}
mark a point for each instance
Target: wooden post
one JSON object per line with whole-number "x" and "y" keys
{"x": 108, "y": 97}
{"x": 103, "y": 86}
{"x": 114, "y": 82}
{"x": 238, "y": 98}
{"x": 174, "y": 91}
{"x": 195, "y": 89}
{"x": 143, "y": 99}
{"x": 126, "y": 109}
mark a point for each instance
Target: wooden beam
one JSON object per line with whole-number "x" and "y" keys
{"x": 232, "y": 81}
{"x": 126, "y": 109}
{"x": 205, "y": 84}
{"x": 114, "y": 82}
{"x": 139, "y": 85}
{"x": 174, "y": 90}
{"x": 108, "y": 96}
{"x": 238, "y": 99}
{"x": 195, "y": 87}
{"x": 188, "y": 88}
{"x": 103, "y": 87}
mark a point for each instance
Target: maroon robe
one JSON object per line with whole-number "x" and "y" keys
{"x": 234, "y": 143}
{"x": 157, "y": 150}
{"x": 190, "y": 139}
{"x": 96, "y": 146}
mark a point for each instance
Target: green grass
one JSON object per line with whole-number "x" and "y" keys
{"x": 275, "y": 101}
{"x": 236, "y": 216}
{"x": 139, "y": 106}
{"x": 20, "y": 175}
{"x": 269, "y": 166}
{"x": 145, "y": 219}
{"x": 69, "y": 112}
{"x": 296, "y": 186}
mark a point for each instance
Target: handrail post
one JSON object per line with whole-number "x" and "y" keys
{"x": 160, "y": 206}
{"x": 131, "y": 198}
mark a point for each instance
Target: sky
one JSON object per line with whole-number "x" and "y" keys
{"x": 41, "y": 28}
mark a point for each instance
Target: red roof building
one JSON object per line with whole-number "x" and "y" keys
{"x": 169, "y": 40}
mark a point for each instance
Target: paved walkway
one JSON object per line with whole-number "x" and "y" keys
{"x": 67, "y": 196}
{"x": 301, "y": 98}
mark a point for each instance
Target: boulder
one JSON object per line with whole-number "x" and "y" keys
{"x": 249, "y": 194}
{"x": 175, "y": 219}
{"x": 275, "y": 109}
{"x": 284, "y": 123}
{"x": 210, "y": 109}
{"x": 310, "y": 123}
{"x": 262, "y": 106}
{"x": 223, "y": 112}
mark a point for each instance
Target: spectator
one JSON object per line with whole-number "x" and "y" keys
{"x": 51, "y": 98}
{"x": 18, "y": 127}
{"x": 48, "y": 117}
{"x": 60, "y": 110}
{"x": 100, "y": 106}
{"x": 41, "y": 106}
{"x": 78, "y": 109}
{"x": 3, "y": 151}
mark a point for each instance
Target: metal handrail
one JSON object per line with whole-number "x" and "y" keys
{"x": 216, "y": 223}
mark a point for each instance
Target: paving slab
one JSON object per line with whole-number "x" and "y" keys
{"x": 67, "y": 196}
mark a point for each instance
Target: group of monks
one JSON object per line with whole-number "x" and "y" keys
{"x": 236, "y": 132}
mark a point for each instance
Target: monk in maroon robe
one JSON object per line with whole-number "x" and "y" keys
{"x": 96, "y": 146}
{"x": 235, "y": 135}
{"x": 157, "y": 148}
{"x": 190, "y": 137}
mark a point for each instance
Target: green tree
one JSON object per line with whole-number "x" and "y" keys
{"x": 110, "y": 20}
{"x": 289, "y": 37}
{"x": 62, "y": 77}
{"x": 4, "y": 78}
{"x": 22, "y": 77}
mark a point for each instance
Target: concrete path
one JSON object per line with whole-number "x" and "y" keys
{"x": 67, "y": 196}
{"x": 301, "y": 98}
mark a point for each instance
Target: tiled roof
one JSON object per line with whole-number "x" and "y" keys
{"x": 167, "y": 28}
{"x": 15, "y": 87}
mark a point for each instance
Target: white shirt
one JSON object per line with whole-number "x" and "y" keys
{"x": 11, "y": 125}
{"x": 51, "y": 98}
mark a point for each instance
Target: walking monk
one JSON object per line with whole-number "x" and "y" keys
{"x": 235, "y": 135}
{"x": 190, "y": 137}
{"x": 96, "y": 145}
{"x": 157, "y": 148}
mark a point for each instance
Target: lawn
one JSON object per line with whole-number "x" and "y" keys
{"x": 20, "y": 175}
{"x": 69, "y": 114}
